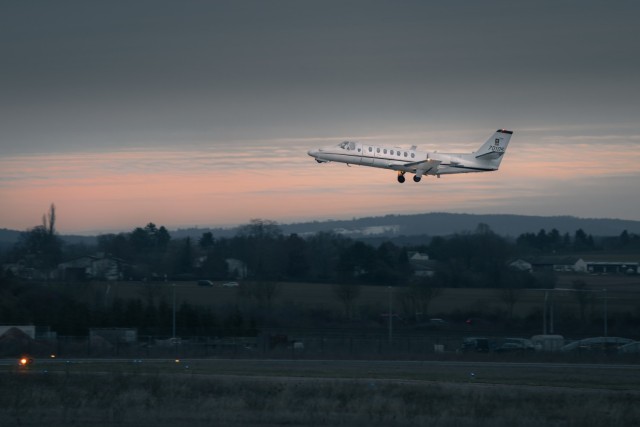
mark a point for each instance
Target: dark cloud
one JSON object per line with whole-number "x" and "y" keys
{"x": 80, "y": 74}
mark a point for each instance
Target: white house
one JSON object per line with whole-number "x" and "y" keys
{"x": 237, "y": 268}
{"x": 551, "y": 263}
{"x": 422, "y": 265}
{"x": 521, "y": 265}
{"x": 88, "y": 267}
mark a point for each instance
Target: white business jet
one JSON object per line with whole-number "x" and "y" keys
{"x": 487, "y": 158}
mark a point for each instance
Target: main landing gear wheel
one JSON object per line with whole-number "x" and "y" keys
{"x": 416, "y": 178}
{"x": 400, "y": 177}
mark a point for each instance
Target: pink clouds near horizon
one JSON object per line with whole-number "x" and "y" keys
{"x": 227, "y": 185}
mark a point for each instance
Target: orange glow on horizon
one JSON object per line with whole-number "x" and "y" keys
{"x": 126, "y": 189}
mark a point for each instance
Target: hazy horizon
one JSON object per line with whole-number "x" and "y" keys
{"x": 200, "y": 114}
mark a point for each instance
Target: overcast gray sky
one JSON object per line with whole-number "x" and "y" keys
{"x": 96, "y": 76}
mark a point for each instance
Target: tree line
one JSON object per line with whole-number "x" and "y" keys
{"x": 263, "y": 253}
{"x": 477, "y": 258}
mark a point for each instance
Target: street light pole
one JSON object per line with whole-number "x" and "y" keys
{"x": 551, "y": 331}
{"x": 605, "y": 312}
{"x": 390, "y": 313}
{"x": 174, "y": 313}
{"x": 544, "y": 312}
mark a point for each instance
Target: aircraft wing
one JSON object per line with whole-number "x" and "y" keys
{"x": 424, "y": 165}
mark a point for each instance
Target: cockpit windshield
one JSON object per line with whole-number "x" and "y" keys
{"x": 347, "y": 145}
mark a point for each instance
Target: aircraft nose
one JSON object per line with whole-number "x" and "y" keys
{"x": 313, "y": 152}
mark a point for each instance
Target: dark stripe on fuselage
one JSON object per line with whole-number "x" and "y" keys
{"x": 491, "y": 152}
{"x": 467, "y": 167}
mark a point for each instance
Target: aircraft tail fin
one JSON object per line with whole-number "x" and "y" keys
{"x": 495, "y": 147}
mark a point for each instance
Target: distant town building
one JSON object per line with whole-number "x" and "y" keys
{"x": 237, "y": 268}
{"x": 89, "y": 267}
{"x": 28, "y": 330}
{"x": 521, "y": 265}
{"x": 613, "y": 267}
{"x": 422, "y": 265}
{"x": 557, "y": 264}
{"x": 21, "y": 270}
{"x": 575, "y": 265}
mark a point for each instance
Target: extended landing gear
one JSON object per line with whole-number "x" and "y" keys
{"x": 401, "y": 178}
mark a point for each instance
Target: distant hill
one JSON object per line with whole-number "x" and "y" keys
{"x": 438, "y": 224}
{"x": 394, "y": 226}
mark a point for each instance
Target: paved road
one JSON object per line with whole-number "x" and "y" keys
{"x": 346, "y": 363}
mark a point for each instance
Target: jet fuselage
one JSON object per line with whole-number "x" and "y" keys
{"x": 486, "y": 158}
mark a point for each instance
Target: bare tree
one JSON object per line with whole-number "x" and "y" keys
{"x": 347, "y": 294}
{"x": 418, "y": 297}
{"x": 260, "y": 228}
{"x": 49, "y": 220}
{"x": 264, "y": 293}
{"x": 510, "y": 296}
{"x": 42, "y": 243}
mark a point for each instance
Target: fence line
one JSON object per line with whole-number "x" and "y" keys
{"x": 263, "y": 346}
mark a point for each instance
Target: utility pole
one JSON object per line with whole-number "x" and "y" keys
{"x": 174, "y": 313}
{"x": 605, "y": 312}
{"x": 544, "y": 312}
{"x": 390, "y": 313}
{"x": 551, "y": 331}
{"x": 547, "y": 313}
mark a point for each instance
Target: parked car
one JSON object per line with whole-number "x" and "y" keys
{"x": 515, "y": 345}
{"x": 205, "y": 283}
{"x": 231, "y": 284}
{"x": 632, "y": 347}
{"x": 597, "y": 344}
{"x": 475, "y": 344}
{"x": 547, "y": 342}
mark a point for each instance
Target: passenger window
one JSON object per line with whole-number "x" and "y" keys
{"x": 413, "y": 155}
{"x": 405, "y": 154}
{"x": 392, "y": 152}
{"x": 377, "y": 150}
{"x": 370, "y": 149}
{"x": 385, "y": 151}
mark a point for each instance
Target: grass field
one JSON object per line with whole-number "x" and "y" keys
{"x": 623, "y": 294}
{"x": 454, "y": 304}
{"x": 319, "y": 393}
